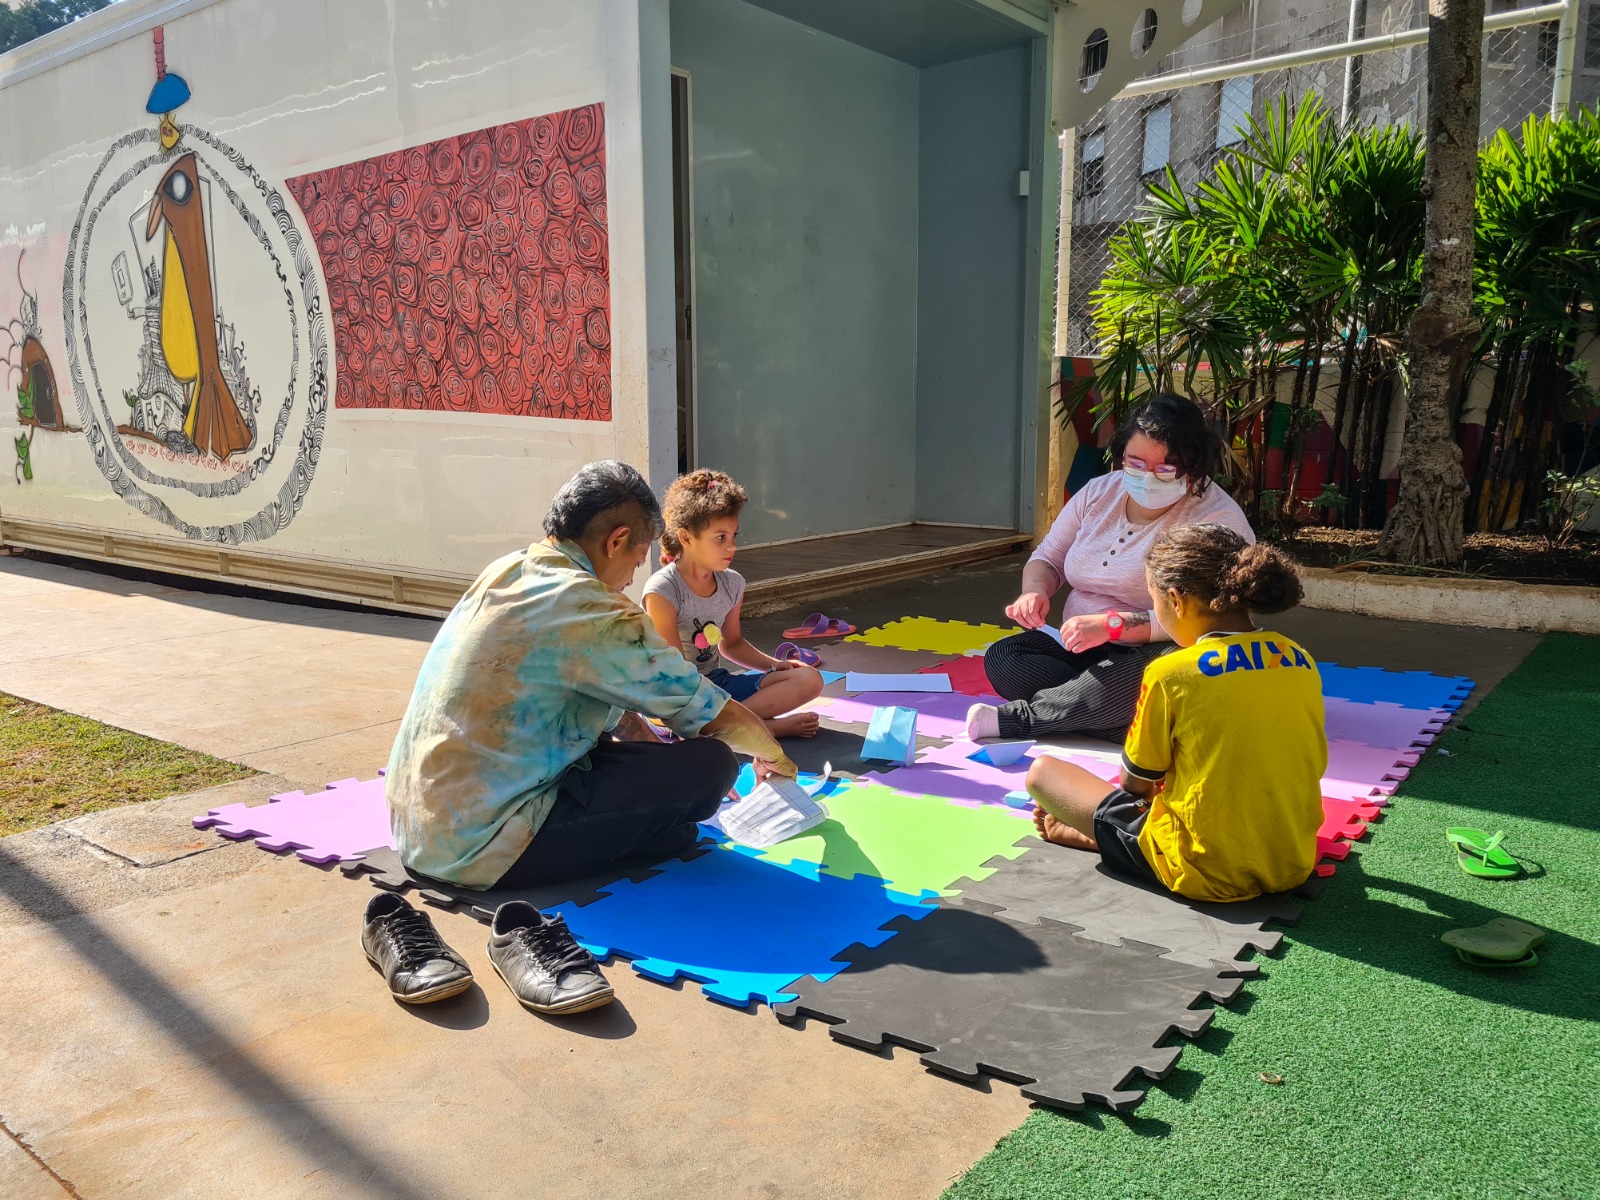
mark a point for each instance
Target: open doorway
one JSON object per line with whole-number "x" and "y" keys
{"x": 683, "y": 269}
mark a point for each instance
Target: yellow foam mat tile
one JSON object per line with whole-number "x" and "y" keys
{"x": 940, "y": 637}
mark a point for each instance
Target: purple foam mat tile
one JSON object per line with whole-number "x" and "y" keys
{"x": 939, "y": 714}
{"x": 1385, "y": 726}
{"x": 947, "y": 772}
{"x": 343, "y": 822}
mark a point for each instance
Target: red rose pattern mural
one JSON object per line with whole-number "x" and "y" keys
{"x": 472, "y": 274}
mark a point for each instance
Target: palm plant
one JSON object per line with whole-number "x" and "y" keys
{"x": 1538, "y": 286}
{"x": 1303, "y": 239}
{"x": 1300, "y": 254}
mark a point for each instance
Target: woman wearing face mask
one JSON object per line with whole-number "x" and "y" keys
{"x": 1088, "y": 682}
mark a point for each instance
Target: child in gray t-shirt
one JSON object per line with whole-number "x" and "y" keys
{"x": 694, "y": 602}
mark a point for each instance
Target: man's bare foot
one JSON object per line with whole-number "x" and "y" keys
{"x": 800, "y": 724}
{"x": 1059, "y": 832}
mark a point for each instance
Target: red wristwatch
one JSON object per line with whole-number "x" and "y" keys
{"x": 1114, "y": 624}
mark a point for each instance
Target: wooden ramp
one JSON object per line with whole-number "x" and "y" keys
{"x": 788, "y": 572}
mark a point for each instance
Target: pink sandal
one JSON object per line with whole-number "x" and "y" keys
{"x": 819, "y": 626}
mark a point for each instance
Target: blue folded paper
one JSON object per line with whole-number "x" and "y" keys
{"x": 891, "y": 735}
{"x": 1001, "y": 754}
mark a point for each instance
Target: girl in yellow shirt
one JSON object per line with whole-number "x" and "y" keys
{"x": 1221, "y": 794}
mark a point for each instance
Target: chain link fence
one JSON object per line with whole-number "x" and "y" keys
{"x": 1134, "y": 139}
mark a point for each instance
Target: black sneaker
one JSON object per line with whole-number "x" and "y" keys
{"x": 542, "y": 964}
{"x": 416, "y": 964}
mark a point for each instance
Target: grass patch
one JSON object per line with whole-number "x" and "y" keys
{"x": 1407, "y": 1074}
{"x": 54, "y": 765}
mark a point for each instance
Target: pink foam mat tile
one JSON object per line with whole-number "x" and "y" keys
{"x": 1357, "y": 772}
{"x": 1381, "y": 725}
{"x": 340, "y": 823}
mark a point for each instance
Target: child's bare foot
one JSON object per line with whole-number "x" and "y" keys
{"x": 1059, "y": 832}
{"x": 800, "y": 725}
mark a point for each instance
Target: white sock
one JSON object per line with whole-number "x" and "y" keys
{"x": 983, "y": 721}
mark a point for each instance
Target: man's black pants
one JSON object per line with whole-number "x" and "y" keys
{"x": 634, "y": 805}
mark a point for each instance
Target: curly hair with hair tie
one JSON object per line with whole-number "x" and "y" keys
{"x": 693, "y": 502}
{"x": 1227, "y": 574}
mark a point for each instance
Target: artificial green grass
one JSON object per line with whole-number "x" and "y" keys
{"x": 1406, "y": 1072}
{"x": 54, "y": 765}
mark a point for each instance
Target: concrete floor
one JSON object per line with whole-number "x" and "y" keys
{"x": 186, "y": 1017}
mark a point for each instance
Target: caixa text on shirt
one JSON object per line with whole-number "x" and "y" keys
{"x": 1259, "y": 655}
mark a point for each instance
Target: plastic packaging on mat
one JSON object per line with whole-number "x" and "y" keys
{"x": 773, "y": 812}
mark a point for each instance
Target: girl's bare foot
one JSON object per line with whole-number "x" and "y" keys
{"x": 800, "y": 725}
{"x": 1059, "y": 832}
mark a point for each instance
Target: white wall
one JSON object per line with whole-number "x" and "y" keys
{"x": 297, "y": 86}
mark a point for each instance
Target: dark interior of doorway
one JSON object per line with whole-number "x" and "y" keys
{"x": 682, "y": 263}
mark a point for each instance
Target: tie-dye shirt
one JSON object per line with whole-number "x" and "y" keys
{"x": 534, "y": 664}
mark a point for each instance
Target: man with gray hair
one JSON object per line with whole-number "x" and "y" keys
{"x": 502, "y": 773}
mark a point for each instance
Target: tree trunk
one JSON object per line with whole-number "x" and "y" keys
{"x": 1426, "y": 526}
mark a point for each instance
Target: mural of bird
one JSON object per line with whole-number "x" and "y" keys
{"x": 188, "y": 314}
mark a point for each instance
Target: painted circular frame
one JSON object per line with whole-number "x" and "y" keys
{"x": 304, "y": 299}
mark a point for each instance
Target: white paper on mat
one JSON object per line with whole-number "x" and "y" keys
{"x": 862, "y": 681}
{"x": 773, "y": 812}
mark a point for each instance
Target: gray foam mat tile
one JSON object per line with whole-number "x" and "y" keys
{"x": 383, "y": 869}
{"x": 1073, "y": 1021}
{"x": 1055, "y": 883}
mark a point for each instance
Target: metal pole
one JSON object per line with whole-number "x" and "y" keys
{"x": 1069, "y": 173}
{"x": 1352, "y": 65}
{"x": 1514, "y": 19}
{"x": 1566, "y": 53}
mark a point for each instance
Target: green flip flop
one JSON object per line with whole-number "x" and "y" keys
{"x": 1480, "y": 854}
{"x": 1530, "y": 959}
{"x": 1502, "y": 942}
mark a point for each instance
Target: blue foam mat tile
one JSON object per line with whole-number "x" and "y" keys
{"x": 1409, "y": 689}
{"x": 743, "y": 928}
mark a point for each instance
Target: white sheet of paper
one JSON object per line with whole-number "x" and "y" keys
{"x": 773, "y": 812}
{"x": 862, "y": 681}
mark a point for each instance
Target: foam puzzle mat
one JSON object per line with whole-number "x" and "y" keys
{"x": 383, "y": 869}
{"x": 924, "y": 912}
{"x": 942, "y": 637}
{"x": 1073, "y": 1021}
{"x": 342, "y": 822}
{"x": 742, "y": 928}
{"x": 967, "y": 675}
{"x": 911, "y": 843}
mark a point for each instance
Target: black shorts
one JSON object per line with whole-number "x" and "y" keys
{"x": 1117, "y": 822}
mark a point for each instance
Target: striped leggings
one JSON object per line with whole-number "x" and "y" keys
{"x": 1052, "y": 690}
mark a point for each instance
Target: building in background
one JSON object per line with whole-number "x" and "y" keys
{"x": 1132, "y": 141}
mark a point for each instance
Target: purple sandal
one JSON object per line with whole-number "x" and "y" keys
{"x": 788, "y": 651}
